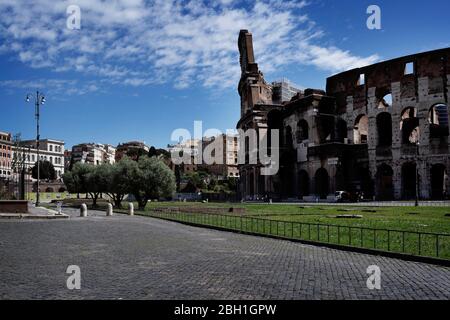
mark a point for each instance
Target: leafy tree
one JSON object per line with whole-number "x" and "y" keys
{"x": 46, "y": 170}
{"x": 98, "y": 181}
{"x": 200, "y": 180}
{"x": 136, "y": 154}
{"x": 178, "y": 176}
{"x": 153, "y": 152}
{"x": 120, "y": 178}
{"x": 152, "y": 179}
{"x": 76, "y": 180}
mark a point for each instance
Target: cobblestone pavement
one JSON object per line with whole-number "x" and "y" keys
{"x": 124, "y": 257}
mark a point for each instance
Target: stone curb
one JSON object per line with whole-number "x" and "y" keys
{"x": 31, "y": 216}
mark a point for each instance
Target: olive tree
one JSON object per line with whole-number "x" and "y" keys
{"x": 98, "y": 181}
{"x": 76, "y": 179}
{"x": 151, "y": 179}
{"x": 120, "y": 178}
{"x": 89, "y": 179}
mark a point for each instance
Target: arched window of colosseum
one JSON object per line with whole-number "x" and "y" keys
{"x": 341, "y": 130}
{"x": 409, "y": 126}
{"x": 288, "y": 137}
{"x": 302, "y": 131}
{"x": 322, "y": 182}
{"x": 384, "y": 182}
{"x": 385, "y": 102}
{"x": 274, "y": 122}
{"x": 438, "y": 181}
{"x": 409, "y": 180}
{"x": 361, "y": 129}
{"x": 361, "y": 79}
{"x": 384, "y": 129}
{"x": 303, "y": 184}
{"x": 438, "y": 120}
{"x": 409, "y": 68}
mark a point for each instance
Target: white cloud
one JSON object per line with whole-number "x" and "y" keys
{"x": 138, "y": 43}
{"x": 53, "y": 87}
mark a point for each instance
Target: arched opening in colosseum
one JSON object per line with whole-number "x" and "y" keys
{"x": 261, "y": 185}
{"x": 409, "y": 172}
{"x": 302, "y": 131}
{"x": 361, "y": 129}
{"x": 438, "y": 120}
{"x": 438, "y": 182}
{"x": 325, "y": 127}
{"x": 384, "y": 129}
{"x": 341, "y": 130}
{"x": 49, "y": 189}
{"x": 274, "y": 122}
{"x": 287, "y": 167}
{"x": 409, "y": 126}
{"x": 365, "y": 182}
{"x": 303, "y": 184}
{"x": 385, "y": 186}
{"x": 251, "y": 182}
{"x": 288, "y": 140}
{"x": 322, "y": 182}
{"x": 385, "y": 101}
{"x": 409, "y": 68}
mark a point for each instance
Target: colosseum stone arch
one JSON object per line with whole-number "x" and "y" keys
{"x": 379, "y": 136}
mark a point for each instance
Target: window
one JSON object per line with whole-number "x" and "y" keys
{"x": 361, "y": 129}
{"x": 302, "y": 131}
{"x": 362, "y": 79}
{"x": 438, "y": 121}
{"x": 51, "y": 148}
{"x": 409, "y": 68}
{"x": 385, "y": 102}
{"x": 409, "y": 125}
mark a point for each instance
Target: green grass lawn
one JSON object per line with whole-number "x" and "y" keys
{"x": 320, "y": 223}
{"x": 422, "y": 219}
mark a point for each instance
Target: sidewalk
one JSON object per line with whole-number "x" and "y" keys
{"x": 35, "y": 213}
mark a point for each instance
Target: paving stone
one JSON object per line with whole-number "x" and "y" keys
{"x": 123, "y": 257}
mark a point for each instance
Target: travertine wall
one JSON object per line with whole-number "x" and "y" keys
{"x": 357, "y": 139}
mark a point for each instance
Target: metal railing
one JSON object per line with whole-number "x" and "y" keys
{"x": 416, "y": 243}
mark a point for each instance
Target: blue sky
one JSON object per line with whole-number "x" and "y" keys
{"x": 137, "y": 70}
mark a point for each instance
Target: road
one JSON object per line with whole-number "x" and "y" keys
{"x": 123, "y": 257}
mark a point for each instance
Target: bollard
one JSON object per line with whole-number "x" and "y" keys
{"x": 130, "y": 209}
{"x": 59, "y": 207}
{"x": 83, "y": 210}
{"x": 109, "y": 210}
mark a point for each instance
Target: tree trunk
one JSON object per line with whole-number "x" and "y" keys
{"x": 118, "y": 200}
{"x": 94, "y": 199}
{"x": 142, "y": 202}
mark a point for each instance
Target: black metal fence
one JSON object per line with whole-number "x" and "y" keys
{"x": 400, "y": 241}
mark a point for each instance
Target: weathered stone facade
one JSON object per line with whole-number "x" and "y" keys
{"x": 370, "y": 132}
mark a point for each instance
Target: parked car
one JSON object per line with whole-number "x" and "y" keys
{"x": 346, "y": 196}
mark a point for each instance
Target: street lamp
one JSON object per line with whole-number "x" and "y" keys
{"x": 39, "y": 100}
{"x": 417, "y": 174}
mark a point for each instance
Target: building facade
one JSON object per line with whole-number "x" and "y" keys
{"x": 132, "y": 149}
{"x": 5, "y": 155}
{"x": 93, "y": 153}
{"x": 379, "y": 130}
{"x": 49, "y": 150}
{"x": 224, "y": 150}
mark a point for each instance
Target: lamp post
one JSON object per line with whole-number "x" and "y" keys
{"x": 417, "y": 175}
{"x": 39, "y": 100}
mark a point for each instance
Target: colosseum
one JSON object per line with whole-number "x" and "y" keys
{"x": 380, "y": 131}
